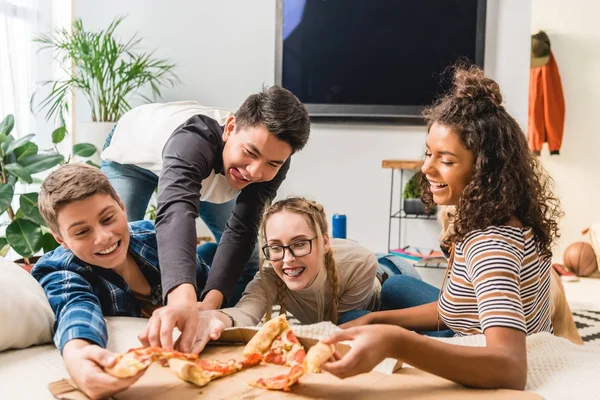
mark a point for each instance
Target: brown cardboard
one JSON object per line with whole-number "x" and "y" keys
{"x": 408, "y": 383}
{"x": 241, "y": 336}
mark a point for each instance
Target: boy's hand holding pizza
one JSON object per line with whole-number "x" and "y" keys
{"x": 211, "y": 325}
{"x": 85, "y": 363}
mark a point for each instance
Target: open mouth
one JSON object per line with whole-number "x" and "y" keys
{"x": 293, "y": 272}
{"x": 110, "y": 250}
{"x": 238, "y": 176}
{"x": 435, "y": 186}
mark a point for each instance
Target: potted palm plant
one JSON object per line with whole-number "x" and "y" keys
{"x": 105, "y": 70}
{"x": 20, "y": 160}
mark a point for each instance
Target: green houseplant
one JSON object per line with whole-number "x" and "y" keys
{"x": 411, "y": 196}
{"x": 20, "y": 160}
{"x": 104, "y": 69}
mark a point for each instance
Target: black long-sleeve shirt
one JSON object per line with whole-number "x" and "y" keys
{"x": 192, "y": 154}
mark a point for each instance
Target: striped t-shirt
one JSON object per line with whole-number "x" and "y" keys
{"x": 498, "y": 279}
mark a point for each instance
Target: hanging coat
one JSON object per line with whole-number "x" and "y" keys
{"x": 546, "y": 108}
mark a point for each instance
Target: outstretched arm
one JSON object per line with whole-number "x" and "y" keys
{"x": 502, "y": 363}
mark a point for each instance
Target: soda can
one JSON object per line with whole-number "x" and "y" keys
{"x": 339, "y": 226}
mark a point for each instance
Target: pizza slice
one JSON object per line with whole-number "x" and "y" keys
{"x": 201, "y": 372}
{"x": 317, "y": 355}
{"x": 261, "y": 341}
{"x": 286, "y": 350}
{"x": 281, "y": 382}
{"x": 135, "y": 360}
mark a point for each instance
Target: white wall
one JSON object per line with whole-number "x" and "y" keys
{"x": 575, "y": 40}
{"x": 225, "y": 50}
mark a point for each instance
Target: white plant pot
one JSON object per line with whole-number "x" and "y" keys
{"x": 94, "y": 133}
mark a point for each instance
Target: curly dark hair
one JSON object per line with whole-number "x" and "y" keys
{"x": 507, "y": 179}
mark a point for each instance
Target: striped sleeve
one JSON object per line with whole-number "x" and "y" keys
{"x": 494, "y": 263}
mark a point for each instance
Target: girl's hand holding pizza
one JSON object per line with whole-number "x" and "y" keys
{"x": 370, "y": 344}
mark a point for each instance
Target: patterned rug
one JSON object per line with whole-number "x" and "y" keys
{"x": 588, "y": 325}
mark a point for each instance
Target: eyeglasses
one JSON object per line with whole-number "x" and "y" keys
{"x": 299, "y": 248}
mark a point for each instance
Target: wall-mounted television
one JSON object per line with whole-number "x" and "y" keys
{"x": 374, "y": 58}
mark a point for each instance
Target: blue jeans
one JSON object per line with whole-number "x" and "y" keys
{"x": 402, "y": 291}
{"x": 135, "y": 186}
{"x": 351, "y": 315}
{"x": 389, "y": 265}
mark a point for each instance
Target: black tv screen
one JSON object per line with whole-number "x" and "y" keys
{"x": 374, "y": 58}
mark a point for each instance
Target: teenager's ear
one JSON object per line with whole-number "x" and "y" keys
{"x": 230, "y": 124}
{"x": 326, "y": 244}
{"x": 59, "y": 240}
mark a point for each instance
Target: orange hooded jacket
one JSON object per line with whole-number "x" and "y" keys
{"x": 546, "y": 108}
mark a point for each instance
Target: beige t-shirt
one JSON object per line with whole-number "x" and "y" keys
{"x": 359, "y": 289}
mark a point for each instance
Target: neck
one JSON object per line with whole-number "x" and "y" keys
{"x": 318, "y": 281}
{"x": 133, "y": 276}
{"x": 124, "y": 269}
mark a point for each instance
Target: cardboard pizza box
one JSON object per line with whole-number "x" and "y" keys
{"x": 408, "y": 383}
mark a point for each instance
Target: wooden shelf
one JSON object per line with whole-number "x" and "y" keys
{"x": 402, "y": 164}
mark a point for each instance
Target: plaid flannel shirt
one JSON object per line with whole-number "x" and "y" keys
{"x": 81, "y": 294}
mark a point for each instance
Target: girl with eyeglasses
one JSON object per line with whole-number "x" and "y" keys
{"x": 313, "y": 277}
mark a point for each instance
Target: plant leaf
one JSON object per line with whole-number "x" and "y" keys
{"x": 24, "y": 236}
{"x": 28, "y": 149}
{"x": 4, "y": 247}
{"x": 59, "y": 134}
{"x": 5, "y": 143}
{"x": 7, "y": 191}
{"x": 19, "y": 171}
{"x": 29, "y": 205}
{"x": 84, "y": 149}
{"x": 93, "y": 164}
{"x": 41, "y": 162}
{"x": 48, "y": 242}
{"x": 7, "y": 124}
{"x": 18, "y": 143}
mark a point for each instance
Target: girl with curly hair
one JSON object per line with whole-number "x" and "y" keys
{"x": 498, "y": 276}
{"x": 312, "y": 276}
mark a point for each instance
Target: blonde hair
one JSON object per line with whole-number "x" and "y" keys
{"x": 69, "y": 183}
{"x": 317, "y": 219}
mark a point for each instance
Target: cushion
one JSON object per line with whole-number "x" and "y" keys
{"x": 17, "y": 367}
{"x": 25, "y": 314}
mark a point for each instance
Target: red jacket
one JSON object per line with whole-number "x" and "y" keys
{"x": 546, "y": 108}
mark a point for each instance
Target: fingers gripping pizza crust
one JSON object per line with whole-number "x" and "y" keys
{"x": 261, "y": 342}
{"x": 317, "y": 355}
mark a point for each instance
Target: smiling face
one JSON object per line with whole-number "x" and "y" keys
{"x": 95, "y": 230}
{"x": 251, "y": 154}
{"x": 448, "y": 165}
{"x": 286, "y": 228}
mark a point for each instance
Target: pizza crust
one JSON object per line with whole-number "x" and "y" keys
{"x": 317, "y": 355}
{"x": 261, "y": 342}
{"x": 188, "y": 371}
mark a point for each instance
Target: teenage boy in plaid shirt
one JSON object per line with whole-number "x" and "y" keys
{"x": 104, "y": 267}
